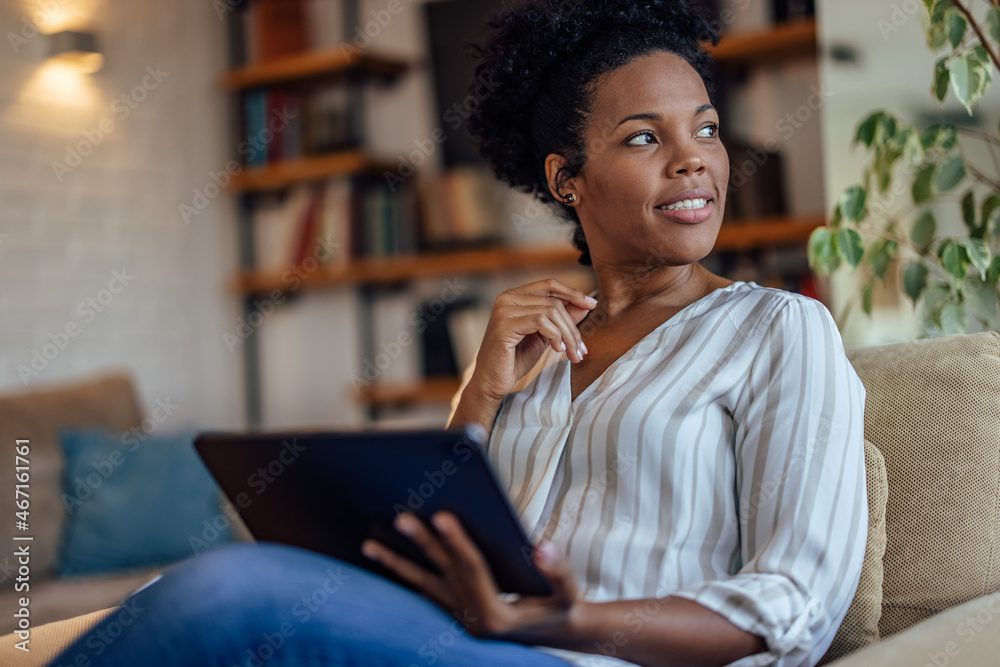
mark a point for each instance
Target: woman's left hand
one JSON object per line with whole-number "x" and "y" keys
{"x": 467, "y": 587}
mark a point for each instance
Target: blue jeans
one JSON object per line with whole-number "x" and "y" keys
{"x": 257, "y": 605}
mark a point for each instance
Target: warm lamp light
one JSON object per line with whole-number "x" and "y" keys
{"x": 78, "y": 49}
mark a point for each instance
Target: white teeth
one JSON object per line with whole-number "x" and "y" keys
{"x": 687, "y": 204}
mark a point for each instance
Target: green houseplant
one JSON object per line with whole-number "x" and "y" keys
{"x": 955, "y": 277}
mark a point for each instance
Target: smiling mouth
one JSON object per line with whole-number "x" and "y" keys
{"x": 689, "y": 211}
{"x": 686, "y": 205}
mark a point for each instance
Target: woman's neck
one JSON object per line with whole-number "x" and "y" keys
{"x": 623, "y": 288}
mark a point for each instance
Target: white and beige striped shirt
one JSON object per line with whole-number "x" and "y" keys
{"x": 721, "y": 459}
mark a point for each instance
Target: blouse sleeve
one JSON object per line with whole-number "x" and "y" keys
{"x": 800, "y": 487}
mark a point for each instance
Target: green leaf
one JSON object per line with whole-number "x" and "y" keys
{"x": 888, "y": 125}
{"x": 866, "y": 130}
{"x": 969, "y": 212}
{"x": 947, "y": 137}
{"x": 838, "y": 217}
{"x": 942, "y": 77}
{"x": 915, "y": 280}
{"x": 979, "y": 254}
{"x": 866, "y": 297}
{"x": 939, "y": 10}
{"x": 991, "y": 213}
{"x": 957, "y": 27}
{"x": 993, "y": 24}
{"x": 981, "y": 297}
{"x": 936, "y": 295}
{"x": 953, "y": 318}
{"x": 881, "y": 255}
{"x": 883, "y": 168}
{"x": 850, "y": 247}
{"x": 993, "y": 273}
{"x": 929, "y": 4}
{"x": 967, "y": 75}
{"x": 951, "y": 173}
{"x": 954, "y": 258}
{"x": 979, "y": 54}
{"x": 852, "y": 203}
{"x": 823, "y": 255}
{"x": 923, "y": 184}
{"x": 913, "y": 151}
{"x": 936, "y": 36}
{"x": 924, "y": 229}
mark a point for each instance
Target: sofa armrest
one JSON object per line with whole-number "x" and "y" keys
{"x": 48, "y": 641}
{"x": 963, "y": 636}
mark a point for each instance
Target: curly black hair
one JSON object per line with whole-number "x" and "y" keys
{"x": 543, "y": 57}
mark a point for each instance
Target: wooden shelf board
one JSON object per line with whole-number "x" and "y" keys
{"x": 329, "y": 64}
{"x": 411, "y": 267}
{"x": 789, "y": 40}
{"x": 434, "y": 391}
{"x": 284, "y": 173}
{"x": 739, "y": 235}
{"x": 733, "y": 236}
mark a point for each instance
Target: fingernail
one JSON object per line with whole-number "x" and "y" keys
{"x": 404, "y": 524}
{"x": 583, "y": 346}
{"x": 564, "y": 347}
{"x": 369, "y": 550}
{"x": 592, "y": 301}
{"x": 439, "y": 522}
{"x": 548, "y": 552}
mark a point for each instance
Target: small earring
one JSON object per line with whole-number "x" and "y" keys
{"x": 569, "y": 199}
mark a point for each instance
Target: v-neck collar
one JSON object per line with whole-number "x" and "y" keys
{"x": 681, "y": 315}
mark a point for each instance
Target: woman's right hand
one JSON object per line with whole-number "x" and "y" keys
{"x": 523, "y": 322}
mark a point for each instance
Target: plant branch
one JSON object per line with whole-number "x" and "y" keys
{"x": 979, "y": 32}
{"x": 982, "y": 178}
{"x": 992, "y": 143}
{"x": 979, "y": 134}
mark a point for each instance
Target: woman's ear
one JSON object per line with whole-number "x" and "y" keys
{"x": 561, "y": 185}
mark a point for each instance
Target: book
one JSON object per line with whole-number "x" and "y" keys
{"x": 280, "y": 28}
{"x": 276, "y": 223}
{"x": 335, "y": 221}
{"x": 308, "y": 235}
{"x": 255, "y": 122}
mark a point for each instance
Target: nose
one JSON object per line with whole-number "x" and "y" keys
{"x": 686, "y": 160}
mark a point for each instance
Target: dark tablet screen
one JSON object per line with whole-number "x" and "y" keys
{"x": 328, "y": 492}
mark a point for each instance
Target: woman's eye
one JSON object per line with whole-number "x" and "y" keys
{"x": 643, "y": 139}
{"x": 711, "y": 130}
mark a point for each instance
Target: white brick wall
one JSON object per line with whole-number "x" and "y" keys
{"x": 119, "y": 210}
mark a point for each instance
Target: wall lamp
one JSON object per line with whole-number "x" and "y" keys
{"x": 78, "y": 49}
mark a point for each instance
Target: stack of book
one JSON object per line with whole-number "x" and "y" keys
{"x": 332, "y": 222}
{"x": 288, "y": 123}
{"x": 462, "y": 206}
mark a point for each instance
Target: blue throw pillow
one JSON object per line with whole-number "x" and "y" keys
{"x": 134, "y": 503}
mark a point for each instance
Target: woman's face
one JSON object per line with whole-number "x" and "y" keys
{"x": 653, "y": 139}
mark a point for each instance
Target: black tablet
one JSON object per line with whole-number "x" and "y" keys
{"x": 328, "y": 492}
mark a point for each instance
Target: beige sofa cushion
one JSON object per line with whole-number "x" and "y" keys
{"x": 38, "y": 415}
{"x": 964, "y": 636}
{"x": 48, "y": 641}
{"x": 860, "y": 626}
{"x": 933, "y": 410}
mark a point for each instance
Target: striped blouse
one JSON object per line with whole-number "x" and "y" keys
{"x": 721, "y": 460}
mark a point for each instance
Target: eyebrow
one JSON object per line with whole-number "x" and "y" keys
{"x": 655, "y": 116}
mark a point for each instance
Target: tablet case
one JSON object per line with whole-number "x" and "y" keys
{"x": 328, "y": 492}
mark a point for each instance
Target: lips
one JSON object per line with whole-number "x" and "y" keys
{"x": 700, "y": 193}
{"x": 689, "y": 215}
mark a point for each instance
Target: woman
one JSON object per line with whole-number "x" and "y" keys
{"x": 685, "y": 450}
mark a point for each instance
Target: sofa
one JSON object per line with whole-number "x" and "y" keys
{"x": 108, "y": 401}
{"x": 930, "y": 584}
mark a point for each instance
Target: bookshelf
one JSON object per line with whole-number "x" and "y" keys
{"x": 305, "y": 169}
{"x": 733, "y": 237}
{"x": 354, "y": 163}
{"x": 796, "y": 39}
